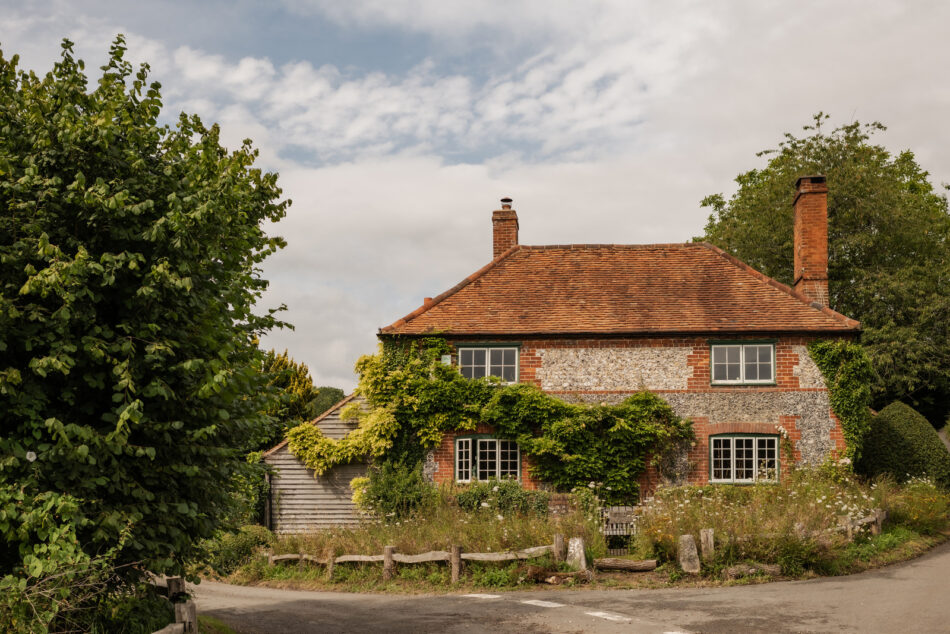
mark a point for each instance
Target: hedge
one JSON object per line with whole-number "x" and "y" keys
{"x": 903, "y": 443}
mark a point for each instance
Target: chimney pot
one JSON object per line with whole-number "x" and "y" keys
{"x": 810, "y": 276}
{"x": 506, "y": 203}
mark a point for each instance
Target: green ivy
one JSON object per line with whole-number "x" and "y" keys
{"x": 412, "y": 400}
{"x": 848, "y": 375}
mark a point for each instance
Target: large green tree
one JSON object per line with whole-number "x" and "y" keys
{"x": 129, "y": 272}
{"x": 889, "y": 255}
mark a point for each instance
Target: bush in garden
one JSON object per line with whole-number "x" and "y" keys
{"x": 903, "y": 444}
{"x": 395, "y": 489}
{"x": 228, "y": 551}
{"x": 502, "y": 496}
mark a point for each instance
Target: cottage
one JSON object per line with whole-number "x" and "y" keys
{"x": 723, "y": 344}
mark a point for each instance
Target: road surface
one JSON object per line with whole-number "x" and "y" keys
{"x": 908, "y": 597}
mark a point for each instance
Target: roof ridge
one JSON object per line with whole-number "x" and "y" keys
{"x": 452, "y": 291}
{"x": 332, "y": 409}
{"x": 762, "y": 277}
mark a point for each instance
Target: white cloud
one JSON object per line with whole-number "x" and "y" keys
{"x": 606, "y": 121}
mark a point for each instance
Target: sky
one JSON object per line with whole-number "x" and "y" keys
{"x": 397, "y": 125}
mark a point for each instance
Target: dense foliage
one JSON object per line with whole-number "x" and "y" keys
{"x": 903, "y": 444}
{"x": 392, "y": 488}
{"x": 848, "y": 375}
{"x": 299, "y": 400}
{"x": 129, "y": 269}
{"x": 412, "y": 399}
{"x": 889, "y": 249}
{"x": 503, "y": 497}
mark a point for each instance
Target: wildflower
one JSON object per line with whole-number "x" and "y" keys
{"x": 485, "y": 505}
{"x": 500, "y": 517}
{"x": 494, "y": 488}
{"x": 30, "y": 456}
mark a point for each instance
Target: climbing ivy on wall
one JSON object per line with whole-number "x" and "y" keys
{"x": 848, "y": 375}
{"x": 412, "y": 400}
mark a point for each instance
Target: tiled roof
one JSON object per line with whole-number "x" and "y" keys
{"x": 618, "y": 289}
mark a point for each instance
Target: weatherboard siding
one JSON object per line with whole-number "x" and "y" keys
{"x": 303, "y": 502}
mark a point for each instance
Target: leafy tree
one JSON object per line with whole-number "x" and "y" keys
{"x": 326, "y": 398}
{"x": 889, "y": 257}
{"x": 299, "y": 400}
{"x": 129, "y": 271}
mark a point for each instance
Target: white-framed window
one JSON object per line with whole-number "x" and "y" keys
{"x": 743, "y": 459}
{"x": 475, "y": 363}
{"x": 486, "y": 458}
{"x": 743, "y": 363}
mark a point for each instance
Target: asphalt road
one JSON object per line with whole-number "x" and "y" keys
{"x": 909, "y": 597}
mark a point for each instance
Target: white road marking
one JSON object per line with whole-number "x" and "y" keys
{"x": 482, "y": 596}
{"x": 543, "y": 604}
{"x": 619, "y": 618}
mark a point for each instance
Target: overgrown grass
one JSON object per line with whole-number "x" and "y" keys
{"x": 794, "y": 523}
{"x": 442, "y": 523}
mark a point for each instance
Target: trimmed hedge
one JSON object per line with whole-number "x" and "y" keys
{"x": 903, "y": 443}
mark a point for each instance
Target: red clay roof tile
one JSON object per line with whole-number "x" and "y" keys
{"x": 618, "y": 289}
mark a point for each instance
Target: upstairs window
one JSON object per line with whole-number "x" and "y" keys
{"x": 475, "y": 363}
{"x": 743, "y": 459}
{"x": 486, "y": 458}
{"x": 743, "y": 363}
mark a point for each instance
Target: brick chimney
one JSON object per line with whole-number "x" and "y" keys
{"x": 811, "y": 238}
{"x": 505, "y": 225}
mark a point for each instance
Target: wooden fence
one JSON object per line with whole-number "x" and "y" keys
{"x": 455, "y": 557}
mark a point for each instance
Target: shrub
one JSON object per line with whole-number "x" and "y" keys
{"x": 903, "y": 444}
{"x": 502, "y": 496}
{"x": 396, "y": 489}
{"x": 228, "y": 551}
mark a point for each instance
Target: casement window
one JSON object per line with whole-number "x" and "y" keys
{"x": 475, "y": 363}
{"x": 743, "y": 363}
{"x": 743, "y": 458}
{"x": 486, "y": 458}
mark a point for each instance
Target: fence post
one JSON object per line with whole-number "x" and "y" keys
{"x": 187, "y": 613}
{"x": 707, "y": 543}
{"x": 844, "y": 521}
{"x": 331, "y": 562}
{"x": 559, "y": 550}
{"x": 388, "y": 562}
{"x": 456, "y": 558}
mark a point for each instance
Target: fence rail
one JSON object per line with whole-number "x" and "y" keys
{"x": 455, "y": 557}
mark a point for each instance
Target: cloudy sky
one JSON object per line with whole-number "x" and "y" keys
{"x": 396, "y": 125}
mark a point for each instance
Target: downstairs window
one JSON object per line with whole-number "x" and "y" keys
{"x": 743, "y": 459}
{"x": 486, "y": 458}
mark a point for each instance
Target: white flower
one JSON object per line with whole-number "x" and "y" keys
{"x": 485, "y": 504}
{"x": 494, "y": 488}
{"x": 30, "y": 456}
{"x": 500, "y": 517}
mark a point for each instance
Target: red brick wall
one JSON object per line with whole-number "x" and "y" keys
{"x": 445, "y": 459}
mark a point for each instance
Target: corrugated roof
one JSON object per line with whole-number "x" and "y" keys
{"x": 618, "y": 289}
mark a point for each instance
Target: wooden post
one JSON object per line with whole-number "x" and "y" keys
{"x": 707, "y": 544}
{"x": 560, "y": 551}
{"x": 844, "y": 521}
{"x": 388, "y": 562}
{"x": 187, "y": 613}
{"x": 331, "y": 562}
{"x": 878, "y": 525}
{"x": 176, "y": 587}
{"x": 455, "y": 557}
